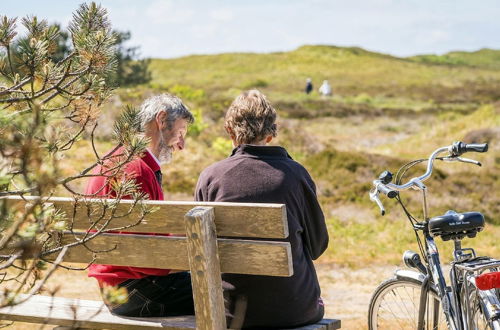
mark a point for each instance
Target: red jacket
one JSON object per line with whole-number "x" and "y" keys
{"x": 143, "y": 170}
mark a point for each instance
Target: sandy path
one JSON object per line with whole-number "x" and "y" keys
{"x": 347, "y": 292}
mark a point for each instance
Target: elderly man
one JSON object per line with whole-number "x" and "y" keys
{"x": 258, "y": 173}
{"x": 151, "y": 292}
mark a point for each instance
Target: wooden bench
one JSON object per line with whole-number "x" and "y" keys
{"x": 212, "y": 244}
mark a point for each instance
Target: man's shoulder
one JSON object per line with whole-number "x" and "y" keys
{"x": 137, "y": 163}
{"x": 139, "y": 168}
{"x": 135, "y": 166}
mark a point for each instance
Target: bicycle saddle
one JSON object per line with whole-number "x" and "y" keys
{"x": 453, "y": 225}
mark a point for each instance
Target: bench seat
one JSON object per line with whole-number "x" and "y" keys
{"x": 94, "y": 315}
{"x": 213, "y": 238}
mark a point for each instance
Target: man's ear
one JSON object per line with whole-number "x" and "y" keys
{"x": 161, "y": 119}
{"x": 269, "y": 138}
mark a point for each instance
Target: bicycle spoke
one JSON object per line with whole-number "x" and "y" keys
{"x": 394, "y": 315}
{"x": 392, "y": 312}
{"x": 402, "y": 306}
{"x": 415, "y": 308}
{"x": 396, "y": 307}
{"x": 403, "y": 303}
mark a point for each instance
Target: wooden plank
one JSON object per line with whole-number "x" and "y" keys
{"x": 231, "y": 219}
{"x": 250, "y": 257}
{"x": 316, "y": 326}
{"x": 333, "y": 324}
{"x": 205, "y": 269}
{"x": 236, "y": 255}
{"x": 324, "y": 324}
{"x": 86, "y": 314}
{"x": 93, "y": 314}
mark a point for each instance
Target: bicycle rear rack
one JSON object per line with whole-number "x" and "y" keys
{"x": 478, "y": 265}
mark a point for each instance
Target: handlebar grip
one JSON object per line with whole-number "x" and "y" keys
{"x": 459, "y": 148}
{"x": 386, "y": 191}
{"x": 476, "y": 147}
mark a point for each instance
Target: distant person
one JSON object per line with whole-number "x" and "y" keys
{"x": 258, "y": 173}
{"x": 325, "y": 89}
{"x": 309, "y": 86}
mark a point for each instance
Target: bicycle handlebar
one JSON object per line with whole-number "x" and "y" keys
{"x": 386, "y": 191}
{"x": 459, "y": 148}
{"x": 382, "y": 185}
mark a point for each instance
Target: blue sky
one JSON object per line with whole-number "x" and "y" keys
{"x": 167, "y": 28}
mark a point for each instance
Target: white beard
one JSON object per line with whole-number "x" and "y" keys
{"x": 165, "y": 155}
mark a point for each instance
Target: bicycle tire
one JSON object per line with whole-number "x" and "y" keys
{"x": 479, "y": 321}
{"x": 395, "y": 303}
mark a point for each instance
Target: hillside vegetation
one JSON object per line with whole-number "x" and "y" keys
{"x": 385, "y": 111}
{"x": 484, "y": 58}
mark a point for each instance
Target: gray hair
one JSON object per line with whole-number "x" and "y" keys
{"x": 170, "y": 104}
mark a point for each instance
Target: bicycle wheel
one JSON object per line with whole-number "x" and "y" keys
{"x": 395, "y": 304}
{"x": 478, "y": 320}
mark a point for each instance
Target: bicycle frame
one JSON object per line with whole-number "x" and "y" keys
{"x": 449, "y": 302}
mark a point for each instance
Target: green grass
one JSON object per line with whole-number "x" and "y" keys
{"x": 384, "y": 240}
{"x": 484, "y": 58}
{"x": 443, "y": 130}
{"x": 351, "y": 71}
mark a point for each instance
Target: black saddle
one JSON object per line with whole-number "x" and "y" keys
{"x": 453, "y": 225}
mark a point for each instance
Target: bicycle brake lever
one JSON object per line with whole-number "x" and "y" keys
{"x": 470, "y": 161}
{"x": 374, "y": 198}
{"x": 460, "y": 159}
{"x": 448, "y": 159}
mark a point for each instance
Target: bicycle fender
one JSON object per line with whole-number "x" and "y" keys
{"x": 410, "y": 274}
{"x": 414, "y": 275}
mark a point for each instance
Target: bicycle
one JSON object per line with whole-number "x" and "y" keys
{"x": 419, "y": 297}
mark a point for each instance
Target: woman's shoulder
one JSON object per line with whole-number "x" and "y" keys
{"x": 216, "y": 168}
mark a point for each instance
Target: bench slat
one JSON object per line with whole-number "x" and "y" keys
{"x": 93, "y": 314}
{"x": 236, "y": 255}
{"x": 324, "y": 324}
{"x": 89, "y": 314}
{"x": 231, "y": 219}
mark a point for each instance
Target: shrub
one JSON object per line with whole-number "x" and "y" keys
{"x": 199, "y": 125}
{"x": 222, "y": 146}
{"x": 259, "y": 83}
{"x": 187, "y": 93}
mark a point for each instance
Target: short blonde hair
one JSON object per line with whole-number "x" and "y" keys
{"x": 251, "y": 117}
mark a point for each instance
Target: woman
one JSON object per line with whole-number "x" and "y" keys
{"x": 258, "y": 173}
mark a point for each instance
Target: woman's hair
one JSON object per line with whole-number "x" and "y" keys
{"x": 251, "y": 117}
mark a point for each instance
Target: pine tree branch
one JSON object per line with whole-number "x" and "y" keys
{"x": 17, "y": 86}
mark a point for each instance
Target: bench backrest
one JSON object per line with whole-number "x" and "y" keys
{"x": 210, "y": 238}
